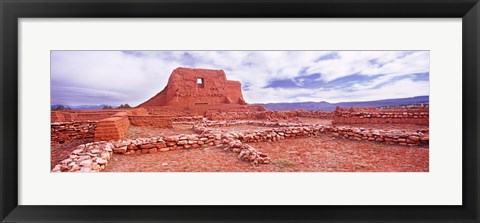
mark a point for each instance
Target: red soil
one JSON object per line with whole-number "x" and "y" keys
{"x": 319, "y": 154}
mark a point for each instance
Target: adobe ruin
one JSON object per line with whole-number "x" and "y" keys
{"x": 193, "y": 87}
{"x": 210, "y": 104}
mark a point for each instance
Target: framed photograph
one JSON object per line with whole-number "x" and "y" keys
{"x": 230, "y": 111}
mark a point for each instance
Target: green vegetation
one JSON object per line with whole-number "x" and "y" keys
{"x": 124, "y": 106}
{"x": 61, "y": 107}
{"x": 107, "y": 107}
{"x": 284, "y": 163}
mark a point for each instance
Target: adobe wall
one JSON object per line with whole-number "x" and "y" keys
{"x": 80, "y": 115}
{"x": 183, "y": 89}
{"x": 62, "y": 132}
{"x": 234, "y": 93}
{"x": 370, "y": 115}
{"x": 113, "y": 128}
{"x": 91, "y": 115}
{"x": 102, "y": 124}
{"x": 188, "y": 119}
{"x": 151, "y": 120}
{"x": 201, "y": 110}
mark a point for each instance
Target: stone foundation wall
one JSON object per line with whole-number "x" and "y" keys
{"x": 315, "y": 114}
{"x": 196, "y": 119}
{"x": 406, "y": 116}
{"x": 80, "y": 116}
{"x": 284, "y": 131}
{"x": 62, "y": 132}
{"x": 92, "y": 115}
{"x": 95, "y": 156}
{"x": 151, "y": 120}
{"x": 228, "y": 123}
{"x": 269, "y": 115}
{"x": 202, "y": 110}
{"x": 113, "y": 128}
{"x": 421, "y": 137}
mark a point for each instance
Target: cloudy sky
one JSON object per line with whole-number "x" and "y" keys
{"x": 117, "y": 77}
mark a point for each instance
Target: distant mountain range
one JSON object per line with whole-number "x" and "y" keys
{"x": 323, "y": 105}
{"x": 326, "y": 106}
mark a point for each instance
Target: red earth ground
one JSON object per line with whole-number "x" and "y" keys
{"x": 318, "y": 154}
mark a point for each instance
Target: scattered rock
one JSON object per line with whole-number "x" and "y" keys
{"x": 121, "y": 150}
{"x": 86, "y": 162}
{"x": 101, "y": 161}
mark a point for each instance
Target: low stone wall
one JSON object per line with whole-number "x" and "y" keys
{"x": 92, "y": 115}
{"x": 201, "y": 110}
{"x": 420, "y": 137}
{"x": 196, "y": 119}
{"x": 90, "y": 157}
{"x": 356, "y": 116}
{"x": 315, "y": 114}
{"x": 62, "y": 132}
{"x": 151, "y": 120}
{"x": 94, "y": 156}
{"x": 273, "y": 135}
{"x": 80, "y": 116}
{"x": 113, "y": 128}
{"x": 227, "y": 123}
{"x": 269, "y": 115}
{"x": 284, "y": 131}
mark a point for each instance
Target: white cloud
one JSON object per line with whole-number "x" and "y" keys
{"x": 395, "y": 89}
{"x": 369, "y": 63}
{"x": 134, "y": 77}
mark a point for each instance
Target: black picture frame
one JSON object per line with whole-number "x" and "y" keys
{"x": 12, "y": 10}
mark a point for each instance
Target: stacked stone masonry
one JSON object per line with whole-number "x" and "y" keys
{"x": 357, "y": 116}
{"x": 420, "y": 137}
{"x": 62, "y": 132}
{"x": 188, "y": 119}
{"x": 151, "y": 120}
{"x": 94, "y": 156}
{"x": 287, "y": 130}
{"x": 269, "y": 115}
{"x": 92, "y": 115}
{"x": 77, "y": 116}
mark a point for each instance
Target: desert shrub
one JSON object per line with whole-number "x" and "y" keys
{"x": 284, "y": 163}
{"x": 61, "y": 107}
{"x": 107, "y": 107}
{"x": 124, "y": 106}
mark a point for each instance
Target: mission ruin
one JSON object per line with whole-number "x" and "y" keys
{"x": 200, "y": 121}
